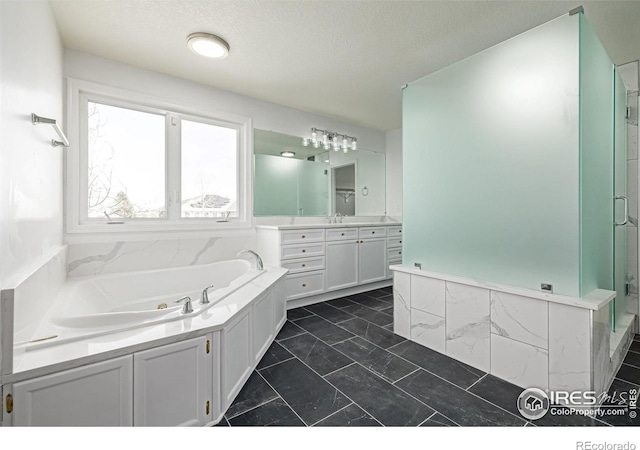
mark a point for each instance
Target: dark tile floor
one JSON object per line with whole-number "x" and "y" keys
{"x": 338, "y": 364}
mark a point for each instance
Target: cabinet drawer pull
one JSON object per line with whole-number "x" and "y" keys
{"x": 304, "y": 284}
{"x": 304, "y": 250}
{"x": 399, "y": 231}
{"x": 373, "y": 232}
{"x": 399, "y": 253}
{"x": 342, "y": 234}
{"x": 303, "y": 236}
{"x": 304, "y": 265}
{"x": 208, "y": 408}
{"x": 208, "y": 346}
{"x": 401, "y": 241}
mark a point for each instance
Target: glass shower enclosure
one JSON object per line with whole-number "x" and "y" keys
{"x": 514, "y": 165}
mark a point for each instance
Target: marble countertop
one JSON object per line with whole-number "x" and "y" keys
{"x": 594, "y": 300}
{"x": 329, "y": 225}
{"x": 33, "y": 361}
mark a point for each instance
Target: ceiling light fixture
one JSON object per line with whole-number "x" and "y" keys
{"x": 208, "y": 45}
{"x": 330, "y": 139}
{"x": 288, "y": 154}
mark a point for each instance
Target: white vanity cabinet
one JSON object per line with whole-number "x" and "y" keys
{"x": 99, "y": 394}
{"x": 327, "y": 261}
{"x": 173, "y": 384}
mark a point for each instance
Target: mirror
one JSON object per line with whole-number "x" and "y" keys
{"x": 315, "y": 182}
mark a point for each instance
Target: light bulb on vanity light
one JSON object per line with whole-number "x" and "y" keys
{"x": 353, "y": 144}
{"x": 305, "y": 142}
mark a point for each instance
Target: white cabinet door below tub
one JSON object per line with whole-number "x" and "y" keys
{"x": 94, "y": 395}
{"x": 236, "y": 356}
{"x": 263, "y": 329}
{"x": 173, "y": 384}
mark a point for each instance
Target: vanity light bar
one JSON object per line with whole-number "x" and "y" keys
{"x": 330, "y": 139}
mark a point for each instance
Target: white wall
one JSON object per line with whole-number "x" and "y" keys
{"x": 393, "y": 149}
{"x": 265, "y": 115}
{"x": 31, "y": 58}
{"x": 104, "y": 254}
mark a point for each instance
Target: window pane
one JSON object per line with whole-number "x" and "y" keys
{"x": 126, "y": 163}
{"x": 209, "y": 171}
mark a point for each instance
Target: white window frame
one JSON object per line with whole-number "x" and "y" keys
{"x": 77, "y": 222}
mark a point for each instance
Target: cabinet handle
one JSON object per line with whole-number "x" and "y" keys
{"x": 401, "y": 241}
{"x": 304, "y": 250}
{"x": 303, "y": 236}
{"x": 399, "y": 253}
{"x": 373, "y": 232}
{"x": 9, "y": 403}
{"x": 304, "y": 284}
{"x": 342, "y": 234}
{"x": 208, "y": 407}
{"x": 400, "y": 231}
{"x": 304, "y": 265}
{"x": 208, "y": 346}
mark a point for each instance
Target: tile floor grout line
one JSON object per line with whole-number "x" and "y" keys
{"x": 278, "y": 396}
{"x": 625, "y": 381}
{"x": 274, "y": 364}
{"x": 477, "y": 381}
{"x": 285, "y": 402}
{"x": 334, "y": 371}
{"x": 425, "y": 420}
{"x": 332, "y": 414}
{"x": 402, "y": 378}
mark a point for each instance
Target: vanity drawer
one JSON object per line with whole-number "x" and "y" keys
{"x": 304, "y": 284}
{"x": 301, "y": 236}
{"x": 338, "y": 234}
{"x": 394, "y": 231}
{"x": 304, "y": 264}
{"x": 366, "y": 232}
{"x": 302, "y": 250}
{"x": 394, "y": 253}
{"x": 394, "y": 241}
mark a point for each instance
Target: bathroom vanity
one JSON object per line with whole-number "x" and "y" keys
{"x": 331, "y": 260}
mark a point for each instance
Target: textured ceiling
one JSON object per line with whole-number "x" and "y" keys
{"x": 344, "y": 59}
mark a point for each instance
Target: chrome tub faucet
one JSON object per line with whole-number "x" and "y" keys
{"x": 259, "y": 265}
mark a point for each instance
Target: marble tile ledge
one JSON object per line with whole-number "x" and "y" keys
{"x": 593, "y": 301}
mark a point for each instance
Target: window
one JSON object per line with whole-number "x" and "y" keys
{"x": 141, "y": 166}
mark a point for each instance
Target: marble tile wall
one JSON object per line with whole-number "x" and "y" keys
{"x": 569, "y": 348}
{"x": 402, "y": 304}
{"x": 468, "y": 325}
{"x": 602, "y": 370}
{"x": 526, "y": 341}
{"x": 124, "y": 256}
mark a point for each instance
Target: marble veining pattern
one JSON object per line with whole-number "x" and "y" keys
{"x": 520, "y": 318}
{"x": 428, "y": 330}
{"x": 122, "y": 256}
{"x": 402, "y": 304}
{"x": 468, "y": 325}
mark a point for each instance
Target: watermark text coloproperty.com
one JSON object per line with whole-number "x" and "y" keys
{"x": 588, "y": 445}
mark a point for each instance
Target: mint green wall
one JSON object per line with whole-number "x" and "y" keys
{"x": 493, "y": 165}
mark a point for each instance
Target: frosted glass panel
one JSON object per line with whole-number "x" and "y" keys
{"x": 620, "y": 177}
{"x": 596, "y": 161}
{"x": 491, "y": 171}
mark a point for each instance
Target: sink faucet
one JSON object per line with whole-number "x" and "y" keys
{"x": 336, "y": 216}
{"x": 205, "y": 295}
{"x": 259, "y": 265}
{"x": 186, "y": 309}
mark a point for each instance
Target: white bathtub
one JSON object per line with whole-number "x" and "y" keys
{"x": 104, "y": 304}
